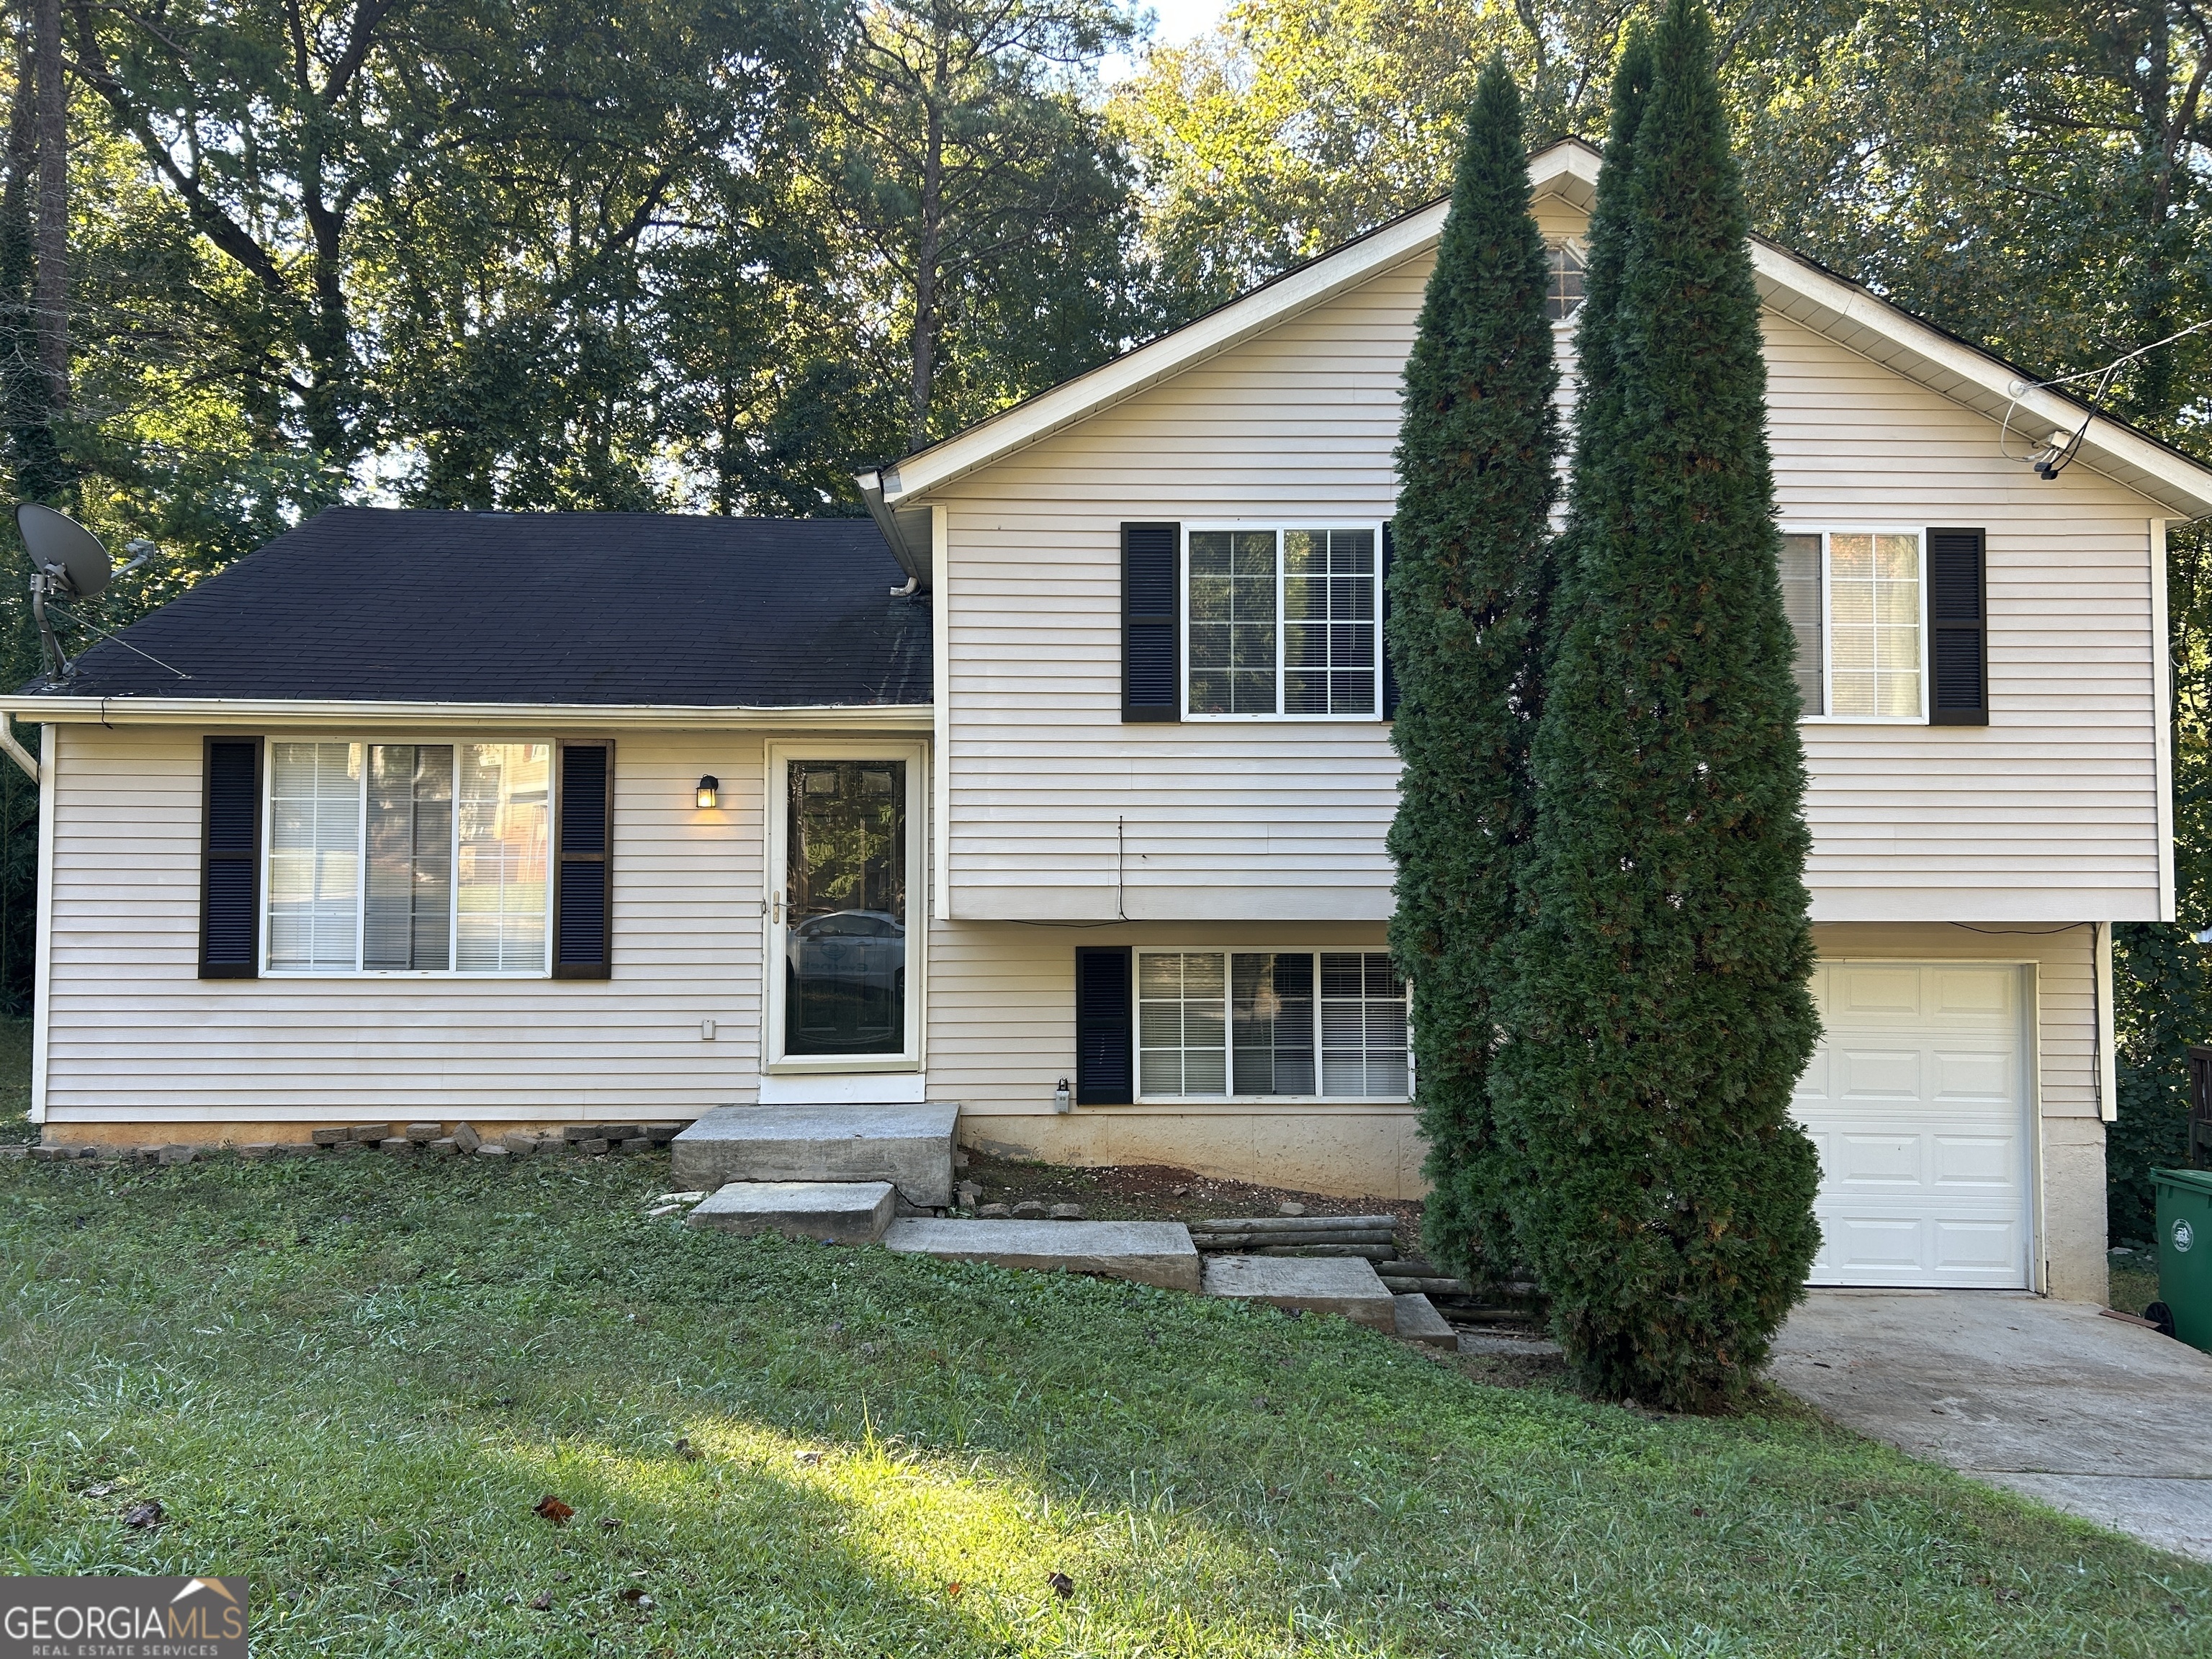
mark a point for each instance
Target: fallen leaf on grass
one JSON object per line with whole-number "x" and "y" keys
{"x": 552, "y": 1509}
{"x": 686, "y": 1450}
{"x": 147, "y": 1514}
{"x": 810, "y": 1457}
{"x": 954, "y": 1588}
{"x": 542, "y": 1603}
{"x": 1062, "y": 1585}
{"x": 635, "y": 1596}
{"x": 100, "y": 1491}
{"x": 610, "y": 1523}
{"x": 460, "y": 1579}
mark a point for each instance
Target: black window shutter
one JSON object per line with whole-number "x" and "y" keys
{"x": 1150, "y": 620}
{"x": 583, "y": 891}
{"x": 1105, "y": 1061}
{"x": 230, "y": 859}
{"x": 1389, "y": 674}
{"x": 1958, "y": 609}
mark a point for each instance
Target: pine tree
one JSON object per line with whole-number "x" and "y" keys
{"x": 1470, "y": 575}
{"x": 1660, "y": 1016}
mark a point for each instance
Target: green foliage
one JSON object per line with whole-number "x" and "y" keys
{"x": 1661, "y": 1017}
{"x": 358, "y": 1377}
{"x": 1473, "y": 573}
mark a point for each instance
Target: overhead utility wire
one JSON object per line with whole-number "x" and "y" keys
{"x": 2062, "y": 448}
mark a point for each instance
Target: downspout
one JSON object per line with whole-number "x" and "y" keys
{"x": 13, "y": 747}
{"x": 915, "y": 562}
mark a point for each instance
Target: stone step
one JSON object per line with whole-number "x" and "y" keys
{"x": 910, "y": 1146}
{"x": 1336, "y": 1284}
{"x": 1149, "y": 1252}
{"x": 1420, "y": 1321}
{"x": 833, "y": 1211}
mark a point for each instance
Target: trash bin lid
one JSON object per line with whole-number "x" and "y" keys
{"x": 2196, "y": 1181}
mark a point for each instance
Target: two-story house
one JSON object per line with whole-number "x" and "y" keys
{"x": 530, "y": 819}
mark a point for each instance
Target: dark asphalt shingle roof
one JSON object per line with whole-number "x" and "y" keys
{"x": 388, "y": 606}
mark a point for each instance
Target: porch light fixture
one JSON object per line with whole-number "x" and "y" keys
{"x": 710, "y": 793}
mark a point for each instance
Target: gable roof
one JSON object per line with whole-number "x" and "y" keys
{"x": 1789, "y": 284}
{"x": 586, "y": 610}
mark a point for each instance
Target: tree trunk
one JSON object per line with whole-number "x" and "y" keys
{"x": 928, "y": 250}
{"x": 51, "y": 291}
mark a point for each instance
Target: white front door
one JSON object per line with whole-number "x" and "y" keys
{"x": 1918, "y": 1100}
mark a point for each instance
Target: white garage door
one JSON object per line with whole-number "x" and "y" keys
{"x": 1917, "y": 1099}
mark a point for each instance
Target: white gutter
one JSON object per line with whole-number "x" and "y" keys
{"x": 597, "y": 717}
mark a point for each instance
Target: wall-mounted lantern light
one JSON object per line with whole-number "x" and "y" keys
{"x": 710, "y": 793}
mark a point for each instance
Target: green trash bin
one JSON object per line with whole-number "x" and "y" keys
{"x": 2184, "y": 1252}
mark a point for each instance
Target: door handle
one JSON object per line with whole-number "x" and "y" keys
{"x": 776, "y": 909}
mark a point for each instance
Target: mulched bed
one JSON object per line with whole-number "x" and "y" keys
{"x": 1160, "y": 1192}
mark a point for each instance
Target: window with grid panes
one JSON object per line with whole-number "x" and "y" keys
{"x": 1314, "y": 1024}
{"x": 1284, "y": 622}
{"x": 1854, "y": 600}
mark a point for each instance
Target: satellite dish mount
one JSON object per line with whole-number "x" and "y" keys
{"x": 68, "y": 562}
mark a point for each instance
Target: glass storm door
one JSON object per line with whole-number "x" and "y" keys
{"x": 845, "y": 882}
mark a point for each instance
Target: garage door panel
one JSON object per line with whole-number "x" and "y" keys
{"x": 1861, "y": 1162}
{"x": 1987, "y": 1251}
{"x": 1969, "y": 1075}
{"x": 1917, "y": 1105}
{"x": 1868, "y": 1073}
{"x": 1987, "y": 1163}
{"x": 1966, "y": 992}
{"x": 1889, "y": 991}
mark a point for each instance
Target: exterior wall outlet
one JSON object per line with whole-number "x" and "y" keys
{"x": 1061, "y": 1101}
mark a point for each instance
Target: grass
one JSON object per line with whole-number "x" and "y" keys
{"x": 354, "y": 1379}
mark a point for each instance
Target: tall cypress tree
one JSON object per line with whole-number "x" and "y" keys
{"x": 1660, "y": 1015}
{"x": 1469, "y": 581}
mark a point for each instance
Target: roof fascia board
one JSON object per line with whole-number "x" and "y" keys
{"x": 308, "y": 712}
{"x": 1975, "y": 379}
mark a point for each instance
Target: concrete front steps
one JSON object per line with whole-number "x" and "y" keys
{"x": 842, "y": 1174}
{"x": 909, "y": 1146}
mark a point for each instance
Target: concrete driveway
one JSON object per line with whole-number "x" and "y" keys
{"x": 2095, "y": 1416}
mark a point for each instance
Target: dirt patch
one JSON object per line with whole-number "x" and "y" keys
{"x": 1160, "y": 1192}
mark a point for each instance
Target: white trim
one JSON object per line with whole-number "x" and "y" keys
{"x": 940, "y": 776}
{"x": 42, "y": 988}
{"x": 2161, "y": 694}
{"x": 1277, "y": 527}
{"x": 2108, "y": 1070}
{"x": 239, "y": 713}
{"x": 877, "y": 1088}
{"x": 1828, "y": 623}
{"x": 776, "y": 851}
{"x": 1789, "y": 285}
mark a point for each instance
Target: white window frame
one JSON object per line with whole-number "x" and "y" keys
{"x": 1580, "y": 249}
{"x": 1824, "y": 531}
{"x": 1227, "y": 1027}
{"x": 544, "y": 970}
{"x": 1277, "y": 525}
{"x": 774, "y": 920}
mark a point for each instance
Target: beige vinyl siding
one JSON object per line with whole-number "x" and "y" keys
{"x": 133, "y": 1035}
{"x": 1057, "y": 810}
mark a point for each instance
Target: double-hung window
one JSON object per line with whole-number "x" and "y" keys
{"x": 1284, "y": 622}
{"x": 421, "y": 858}
{"x": 1855, "y": 599}
{"x": 1221, "y": 1025}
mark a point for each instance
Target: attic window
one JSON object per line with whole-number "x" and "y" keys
{"x": 1564, "y": 295}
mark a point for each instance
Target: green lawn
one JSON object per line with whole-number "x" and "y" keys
{"x": 352, "y": 1380}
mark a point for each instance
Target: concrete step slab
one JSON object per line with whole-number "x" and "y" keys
{"x": 1148, "y": 1252}
{"x": 833, "y": 1211}
{"x": 1420, "y": 1321}
{"x": 1336, "y": 1284}
{"x": 909, "y": 1145}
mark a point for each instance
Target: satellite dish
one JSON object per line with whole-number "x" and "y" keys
{"x": 67, "y": 554}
